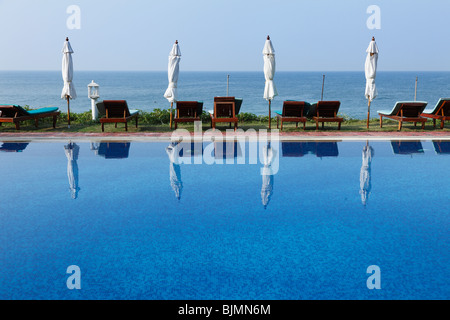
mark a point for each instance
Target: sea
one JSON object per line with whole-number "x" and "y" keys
{"x": 144, "y": 90}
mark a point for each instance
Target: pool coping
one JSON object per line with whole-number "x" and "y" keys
{"x": 282, "y": 136}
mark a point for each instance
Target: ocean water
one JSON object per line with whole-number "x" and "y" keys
{"x": 145, "y": 90}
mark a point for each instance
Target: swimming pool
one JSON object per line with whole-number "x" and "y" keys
{"x": 140, "y": 226}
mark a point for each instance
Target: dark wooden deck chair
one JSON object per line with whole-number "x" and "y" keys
{"x": 224, "y": 111}
{"x": 292, "y": 112}
{"x": 188, "y": 111}
{"x": 116, "y": 111}
{"x": 327, "y": 111}
{"x": 16, "y": 114}
{"x": 440, "y": 112}
{"x": 405, "y": 111}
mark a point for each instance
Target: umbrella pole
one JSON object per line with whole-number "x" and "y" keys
{"x": 68, "y": 110}
{"x": 368, "y": 114}
{"x": 415, "y": 91}
{"x": 171, "y": 106}
{"x": 323, "y": 84}
{"x": 269, "y": 114}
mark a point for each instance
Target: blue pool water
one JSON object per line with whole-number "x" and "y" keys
{"x": 138, "y": 230}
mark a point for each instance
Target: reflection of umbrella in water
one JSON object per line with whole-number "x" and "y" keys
{"x": 365, "y": 184}
{"x": 175, "y": 171}
{"x": 72, "y": 150}
{"x": 267, "y": 175}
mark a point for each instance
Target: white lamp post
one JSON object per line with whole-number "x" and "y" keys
{"x": 93, "y": 94}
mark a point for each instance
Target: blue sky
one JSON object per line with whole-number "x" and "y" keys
{"x": 219, "y": 35}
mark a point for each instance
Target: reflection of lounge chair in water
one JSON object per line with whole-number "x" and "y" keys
{"x": 320, "y": 149}
{"x": 297, "y": 149}
{"x": 441, "y": 147}
{"x": 327, "y": 149}
{"x": 13, "y": 146}
{"x": 227, "y": 150}
{"x": 114, "y": 150}
{"x": 407, "y": 147}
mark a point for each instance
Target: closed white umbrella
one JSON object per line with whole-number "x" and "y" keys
{"x": 370, "y": 69}
{"x": 365, "y": 181}
{"x": 72, "y": 150}
{"x": 171, "y": 93}
{"x": 270, "y": 90}
{"x": 68, "y": 91}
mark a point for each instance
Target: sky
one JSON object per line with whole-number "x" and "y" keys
{"x": 219, "y": 35}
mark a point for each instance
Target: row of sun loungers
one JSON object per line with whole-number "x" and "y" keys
{"x": 226, "y": 110}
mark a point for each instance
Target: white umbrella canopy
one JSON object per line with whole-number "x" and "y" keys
{"x": 72, "y": 150}
{"x": 365, "y": 181}
{"x": 370, "y": 69}
{"x": 68, "y": 91}
{"x": 171, "y": 93}
{"x": 270, "y": 90}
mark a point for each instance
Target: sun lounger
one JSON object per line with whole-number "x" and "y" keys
{"x": 188, "y": 111}
{"x": 327, "y": 112}
{"x": 292, "y": 112}
{"x": 116, "y": 111}
{"x": 405, "y": 111}
{"x": 440, "y": 112}
{"x": 224, "y": 111}
{"x": 17, "y": 114}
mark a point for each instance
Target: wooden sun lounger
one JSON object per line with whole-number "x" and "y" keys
{"x": 224, "y": 111}
{"x": 292, "y": 112}
{"x": 405, "y": 111}
{"x": 116, "y": 111}
{"x": 16, "y": 114}
{"x": 440, "y": 112}
{"x": 188, "y": 111}
{"x": 327, "y": 112}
